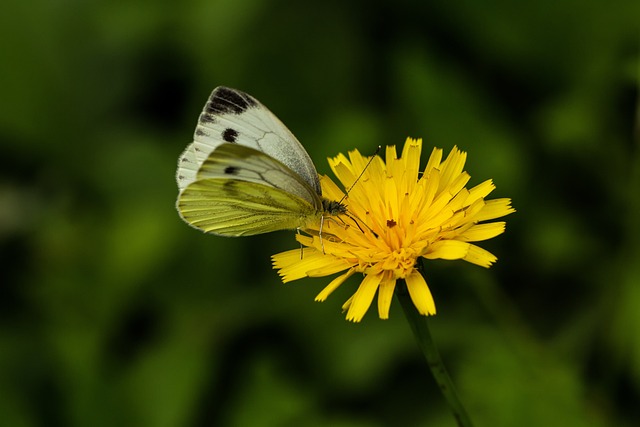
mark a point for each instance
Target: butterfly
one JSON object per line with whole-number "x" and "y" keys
{"x": 245, "y": 173}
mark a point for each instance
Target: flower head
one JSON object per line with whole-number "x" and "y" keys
{"x": 396, "y": 215}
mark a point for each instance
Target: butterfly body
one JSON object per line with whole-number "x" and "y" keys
{"x": 245, "y": 173}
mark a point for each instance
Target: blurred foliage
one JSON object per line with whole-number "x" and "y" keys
{"x": 114, "y": 312}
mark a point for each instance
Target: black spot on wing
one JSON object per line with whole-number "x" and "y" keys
{"x": 231, "y": 170}
{"x": 230, "y": 135}
{"x": 207, "y": 118}
{"x": 201, "y": 132}
{"x": 224, "y": 100}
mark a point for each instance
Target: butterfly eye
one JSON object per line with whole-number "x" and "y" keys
{"x": 230, "y": 135}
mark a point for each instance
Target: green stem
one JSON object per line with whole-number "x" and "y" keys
{"x": 420, "y": 328}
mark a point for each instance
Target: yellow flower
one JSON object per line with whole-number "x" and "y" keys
{"x": 396, "y": 215}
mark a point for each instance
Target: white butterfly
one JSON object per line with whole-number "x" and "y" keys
{"x": 245, "y": 173}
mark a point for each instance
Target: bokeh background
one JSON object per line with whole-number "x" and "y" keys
{"x": 115, "y": 313}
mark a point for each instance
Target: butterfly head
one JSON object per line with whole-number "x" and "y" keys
{"x": 333, "y": 208}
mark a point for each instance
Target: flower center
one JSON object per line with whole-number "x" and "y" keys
{"x": 401, "y": 262}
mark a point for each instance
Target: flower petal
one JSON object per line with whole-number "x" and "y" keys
{"x": 447, "y": 249}
{"x": 293, "y": 266}
{"x": 385, "y": 295}
{"x": 434, "y": 162}
{"x": 480, "y": 232}
{"x": 363, "y": 297}
{"x": 420, "y": 294}
{"x": 480, "y": 256}
{"x": 481, "y": 190}
{"x": 335, "y": 283}
{"x": 329, "y": 188}
{"x": 452, "y": 167}
{"x": 496, "y": 208}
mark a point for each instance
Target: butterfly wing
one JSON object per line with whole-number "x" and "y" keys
{"x": 239, "y": 191}
{"x": 241, "y": 163}
{"x": 241, "y": 208}
{"x": 234, "y": 117}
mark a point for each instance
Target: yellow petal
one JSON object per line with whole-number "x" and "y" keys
{"x": 347, "y": 304}
{"x": 420, "y": 294}
{"x": 339, "y": 159}
{"x": 331, "y": 265}
{"x": 293, "y": 266}
{"x": 363, "y": 297}
{"x": 346, "y": 176}
{"x": 358, "y": 161}
{"x": 434, "y": 162}
{"x": 411, "y": 159}
{"x": 448, "y": 249}
{"x": 385, "y": 295}
{"x": 329, "y": 188}
{"x": 459, "y": 182}
{"x": 480, "y": 232}
{"x": 452, "y": 167}
{"x": 335, "y": 283}
{"x": 495, "y": 208}
{"x": 480, "y": 256}
{"x": 481, "y": 190}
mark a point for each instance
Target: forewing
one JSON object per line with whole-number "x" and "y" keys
{"x": 241, "y": 208}
{"x": 187, "y": 167}
{"x": 232, "y": 116}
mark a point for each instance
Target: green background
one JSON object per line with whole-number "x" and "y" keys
{"x": 113, "y": 312}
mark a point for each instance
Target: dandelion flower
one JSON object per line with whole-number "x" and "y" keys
{"x": 395, "y": 216}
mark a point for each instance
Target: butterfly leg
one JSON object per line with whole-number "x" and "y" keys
{"x": 357, "y": 222}
{"x": 301, "y": 247}
{"x": 320, "y": 234}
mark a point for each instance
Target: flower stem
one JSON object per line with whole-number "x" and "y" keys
{"x": 420, "y": 328}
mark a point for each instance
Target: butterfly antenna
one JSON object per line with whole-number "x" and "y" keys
{"x": 357, "y": 222}
{"x": 346, "y": 193}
